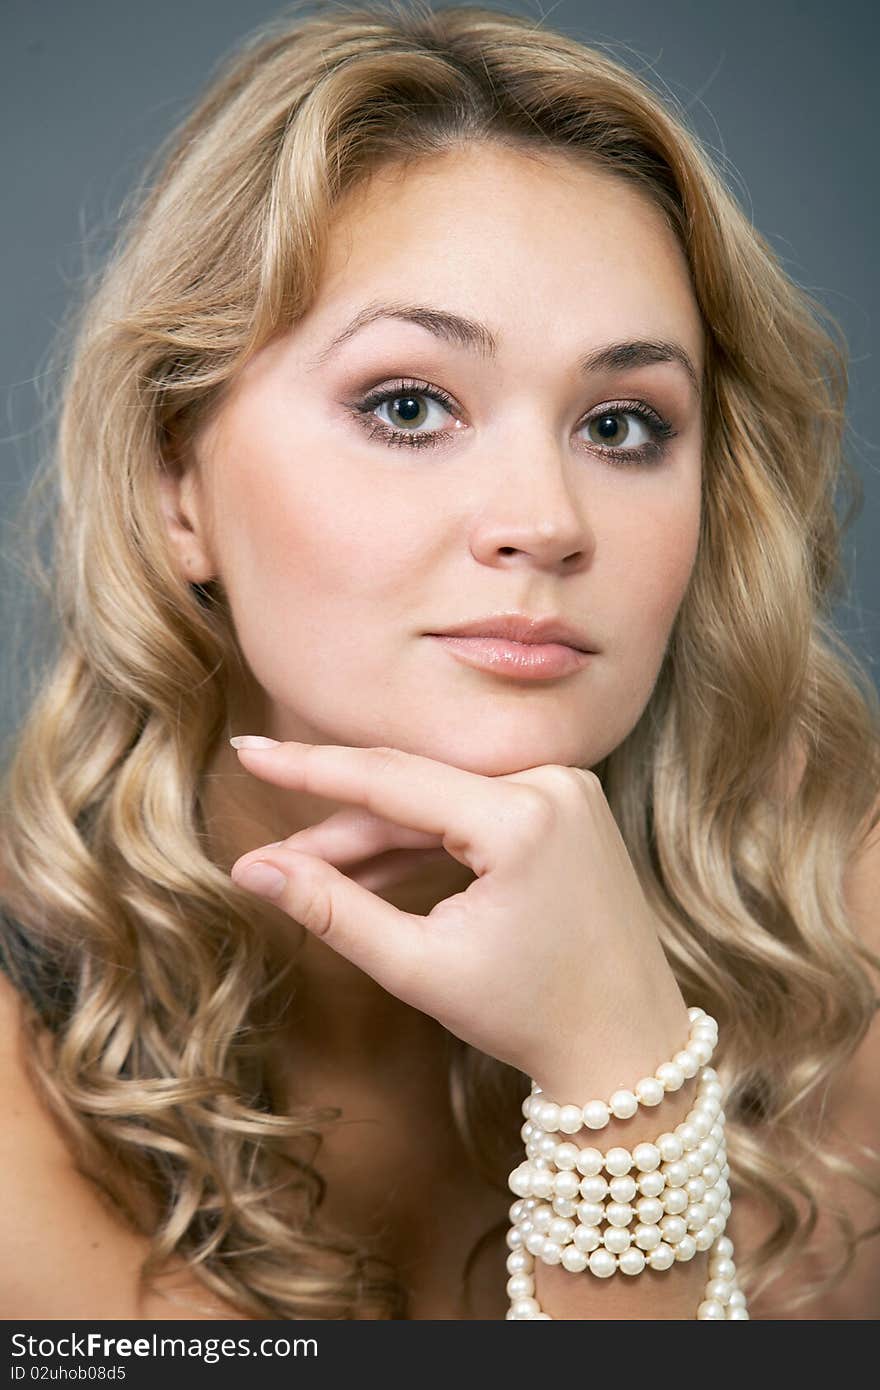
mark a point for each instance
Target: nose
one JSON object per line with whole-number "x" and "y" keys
{"x": 534, "y": 514}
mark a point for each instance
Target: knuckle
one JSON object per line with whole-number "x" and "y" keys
{"x": 567, "y": 783}
{"x": 535, "y": 808}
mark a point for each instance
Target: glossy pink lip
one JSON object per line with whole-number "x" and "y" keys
{"x": 516, "y": 660}
{"x": 519, "y": 627}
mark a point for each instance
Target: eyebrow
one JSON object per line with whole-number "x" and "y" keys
{"x": 476, "y": 337}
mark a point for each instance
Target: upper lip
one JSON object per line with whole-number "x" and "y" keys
{"x": 519, "y": 627}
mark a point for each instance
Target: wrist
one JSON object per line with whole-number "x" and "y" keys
{"x": 594, "y": 1068}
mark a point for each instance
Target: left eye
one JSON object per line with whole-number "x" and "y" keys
{"x": 608, "y": 429}
{"x": 412, "y": 409}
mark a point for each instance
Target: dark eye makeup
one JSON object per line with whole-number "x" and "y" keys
{"x": 411, "y": 391}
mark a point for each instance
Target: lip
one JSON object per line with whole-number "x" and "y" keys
{"x": 517, "y": 660}
{"x": 520, "y": 629}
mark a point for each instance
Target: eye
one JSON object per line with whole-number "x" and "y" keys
{"x": 609, "y": 429}
{"x": 411, "y": 405}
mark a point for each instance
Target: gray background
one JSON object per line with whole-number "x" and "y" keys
{"x": 784, "y": 94}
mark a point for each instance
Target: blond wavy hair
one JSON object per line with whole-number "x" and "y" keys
{"x": 741, "y": 793}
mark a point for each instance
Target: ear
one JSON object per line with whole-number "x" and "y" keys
{"x": 182, "y": 503}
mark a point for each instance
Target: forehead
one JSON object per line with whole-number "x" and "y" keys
{"x": 516, "y": 236}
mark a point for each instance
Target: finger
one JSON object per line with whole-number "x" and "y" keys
{"x": 349, "y": 835}
{"x": 375, "y": 936}
{"x": 464, "y": 808}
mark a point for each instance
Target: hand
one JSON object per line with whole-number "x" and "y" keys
{"x": 549, "y": 954}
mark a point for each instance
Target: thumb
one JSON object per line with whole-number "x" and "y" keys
{"x": 374, "y": 935}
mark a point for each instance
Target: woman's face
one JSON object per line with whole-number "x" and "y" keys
{"x": 341, "y": 547}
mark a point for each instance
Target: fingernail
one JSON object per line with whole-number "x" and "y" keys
{"x": 253, "y": 741}
{"x": 262, "y": 878}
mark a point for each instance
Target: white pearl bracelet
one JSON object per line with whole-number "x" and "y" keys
{"x": 722, "y": 1296}
{"x": 669, "y": 1076}
{"x": 684, "y": 1197}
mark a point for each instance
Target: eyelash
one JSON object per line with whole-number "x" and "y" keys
{"x": 644, "y": 454}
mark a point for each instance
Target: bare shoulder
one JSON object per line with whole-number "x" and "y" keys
{"x": 66, "y": 1253}
{"x": 852, "y": 1117}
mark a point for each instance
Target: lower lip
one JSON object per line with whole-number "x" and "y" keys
{"x": 527, "y": 661}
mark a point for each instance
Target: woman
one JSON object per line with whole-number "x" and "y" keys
{"x": 501, "y": 862}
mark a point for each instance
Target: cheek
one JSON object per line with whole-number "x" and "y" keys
{"x": 317, "y": 565}
{"x": 650, "y": 574}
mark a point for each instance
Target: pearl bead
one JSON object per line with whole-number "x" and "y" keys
{"x": 561, "y": 1230}
{"x": 594, "y": 1189}
{"x": 650, "y": 1210}
{"x": 722, "y": 1267}
{"x": 702, "y": 1049}
{"x": 670, "y": 1076}
{"x": 649, "y": 1090}
{"x": 524, "y": 1307}
{"x": 543, "y": 1183}
{"x": 674, "y": 1200}
{"x": 693, "y": 1163}
{"x": 697, "y": 1216}
{"x": 686, "y": 1248}
{"x": 710, "y": 1174}
{"x": 548, "y": 1116}
{"x": 596, "y": 1114}
{"x": 551, "y": 1253}
{"x": 517, "y": 1262}
{"x": 574, "y": 1259}
{"x": 710, "y": 1308}
{"x": 737, "y": 1314}
{"x": 618, "y": 1161}
{"x": 566, "y": 1155}
{"x": 624, "y": 1105}
{"x": 619, "y": 1213}
{"x": 695, "y": 1189}
{"x": 514, "y": 1238}
{"x": 652, "y": 1184}
{"x": 534, "y": 1242}
{"x": 520, "y": 1181}
{"x": 589, "y": 1162}
{"x": 602, "y": 1263}
{"x": 661, "y": 1257}
{"x": 632, "y": 1261}
{"x": 646, "y": 1157}
{"x": 567, "y": 1184}
{"x": 673, "y": 1228}
{"x": 724, "y": 1248}
{"x": 712, "y": 1201}
{"x": 564, "y": 1206}
{"x": 647, "y": 1237}
{"x": 520, "y": 1286}
{"x": 616, "y": 1239}
{"x": 623, "y": 1189}
{"x": 587, "y": 1238}
{"x": 541, "y": 1217}
{"x": 688, "y": 1135}
{"x": 737, "y": 1299}
{"x": 719, "y": 1289}
{"x": 695, "y": 1013}
{"x": 704, "y": 1238}
{"x": 670, "y": 1146}
{"x": 676, "y": 1174}
{"x": 590, "y": 1213}
{"x": 570, "y": 1119}
{"x": 687, "y": 1061}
